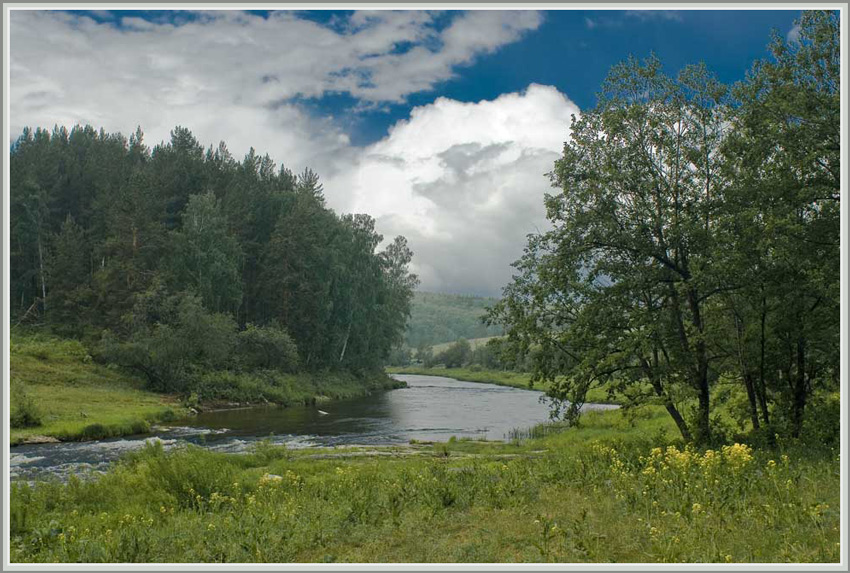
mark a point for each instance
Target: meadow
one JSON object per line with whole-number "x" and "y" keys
{"x": 615, "y": 489}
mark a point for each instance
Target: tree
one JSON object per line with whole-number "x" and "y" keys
{"x": 618, "y": 291}
{"x": 205, "y": 257}
{"x": 455, "y": 355}
{"x": 68, "y": 265}
{"x": 784, "y": 153}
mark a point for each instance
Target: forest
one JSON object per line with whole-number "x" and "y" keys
{"x": 178, "y": 262}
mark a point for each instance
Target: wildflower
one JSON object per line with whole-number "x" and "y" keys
{"x": 108, "y": 532}
{"x": 785, "y": 459}
{"x": 696, "y": 508}
{"x": 653, "y": 531}
{"x": 728, "y": 559}
{"x": 211, "y": 527}
{"x": 162, "y": 509}
{"x": 737, "y": 455}
{"x": 771, "y": 464}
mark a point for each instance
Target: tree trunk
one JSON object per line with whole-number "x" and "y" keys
{"x": 751, "y": 396}
{"x": 703, "y": 429}
{"x": 762, "y": 390}
{"x": 745, "y": 371}
{"x": 668, "y": 403}
{"x": 799, "y": 396}
{"x": 345, "y": 341}
{"x": 41, "y": 270}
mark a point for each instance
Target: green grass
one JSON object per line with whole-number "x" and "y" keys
{"x": 599, "y": 493}
{"x": 78, "y": 399}
{"x": 473, "y": 344}
{"x": 498, "y": 377}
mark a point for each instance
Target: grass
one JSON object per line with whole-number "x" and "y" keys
{"x": 473, "y": 344}
{"x": 498, "y": 377}
{"x": 613, "y": 490}
{"x": 76, "y": 398}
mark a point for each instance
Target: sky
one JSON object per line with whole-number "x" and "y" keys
{"x": 442, "y": 125}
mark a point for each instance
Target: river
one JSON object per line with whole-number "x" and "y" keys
{"x": 430, "y": 408}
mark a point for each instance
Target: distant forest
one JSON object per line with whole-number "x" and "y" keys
{"x": 437, "y": 318}
{"x": 178, "y": 259}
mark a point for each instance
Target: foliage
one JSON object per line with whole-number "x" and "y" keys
{"x": 694, "y": 239}
{"x": 455, "y": 355}
{"x": 437, "y": 318}
{"x": 172, "y": 337}
{"x": 267, "y": 347}
{"x": 24, "y": 412}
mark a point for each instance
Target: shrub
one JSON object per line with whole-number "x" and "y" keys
{"x": 455, "y": 355}
{"x": 264, "y": 347}
{"x": 184, "y": 339}
{"x": 24, "y": 412}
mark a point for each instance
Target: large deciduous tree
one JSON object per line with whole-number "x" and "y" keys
{"x": 619, "y": 288}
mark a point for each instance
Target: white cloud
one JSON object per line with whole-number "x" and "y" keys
{"x": 464, "y": 182}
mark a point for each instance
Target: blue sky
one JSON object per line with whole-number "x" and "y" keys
{"x": 439, "y": 124}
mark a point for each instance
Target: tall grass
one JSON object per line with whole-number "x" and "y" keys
{"x": 593, "y": 494}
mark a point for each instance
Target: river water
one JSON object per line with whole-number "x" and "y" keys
{"x": 431, "y": 408}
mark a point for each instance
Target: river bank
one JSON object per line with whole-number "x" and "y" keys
{"x": 500, "y": 378}
{"x": 76, "y": 399}
{"x": 613, "y": 490}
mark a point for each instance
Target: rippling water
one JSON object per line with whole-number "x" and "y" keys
{"x": 431, "y": 408}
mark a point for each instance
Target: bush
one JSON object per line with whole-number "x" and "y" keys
{"x": 184, "y": 339}
{"x": 455, "y": 355}
{"x": 267, "y": 347}
{"x": 25, "y": 413}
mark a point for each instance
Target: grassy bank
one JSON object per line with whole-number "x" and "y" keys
{"x": 75, "y": 398}
{"x": 498, "y": 377}
{"x": 67, "y": 396}
{"x": 613, "y": 490}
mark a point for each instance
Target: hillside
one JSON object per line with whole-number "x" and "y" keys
{"x": 438, "y": 318}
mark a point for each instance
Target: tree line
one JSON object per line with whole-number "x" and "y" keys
{"x": 695, "y": 242}
{"x": 178, "y": 259}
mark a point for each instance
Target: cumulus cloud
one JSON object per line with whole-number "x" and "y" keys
{"x": 464, "y": 182}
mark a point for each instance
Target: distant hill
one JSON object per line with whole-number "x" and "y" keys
{"x": 438, "y": 318}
